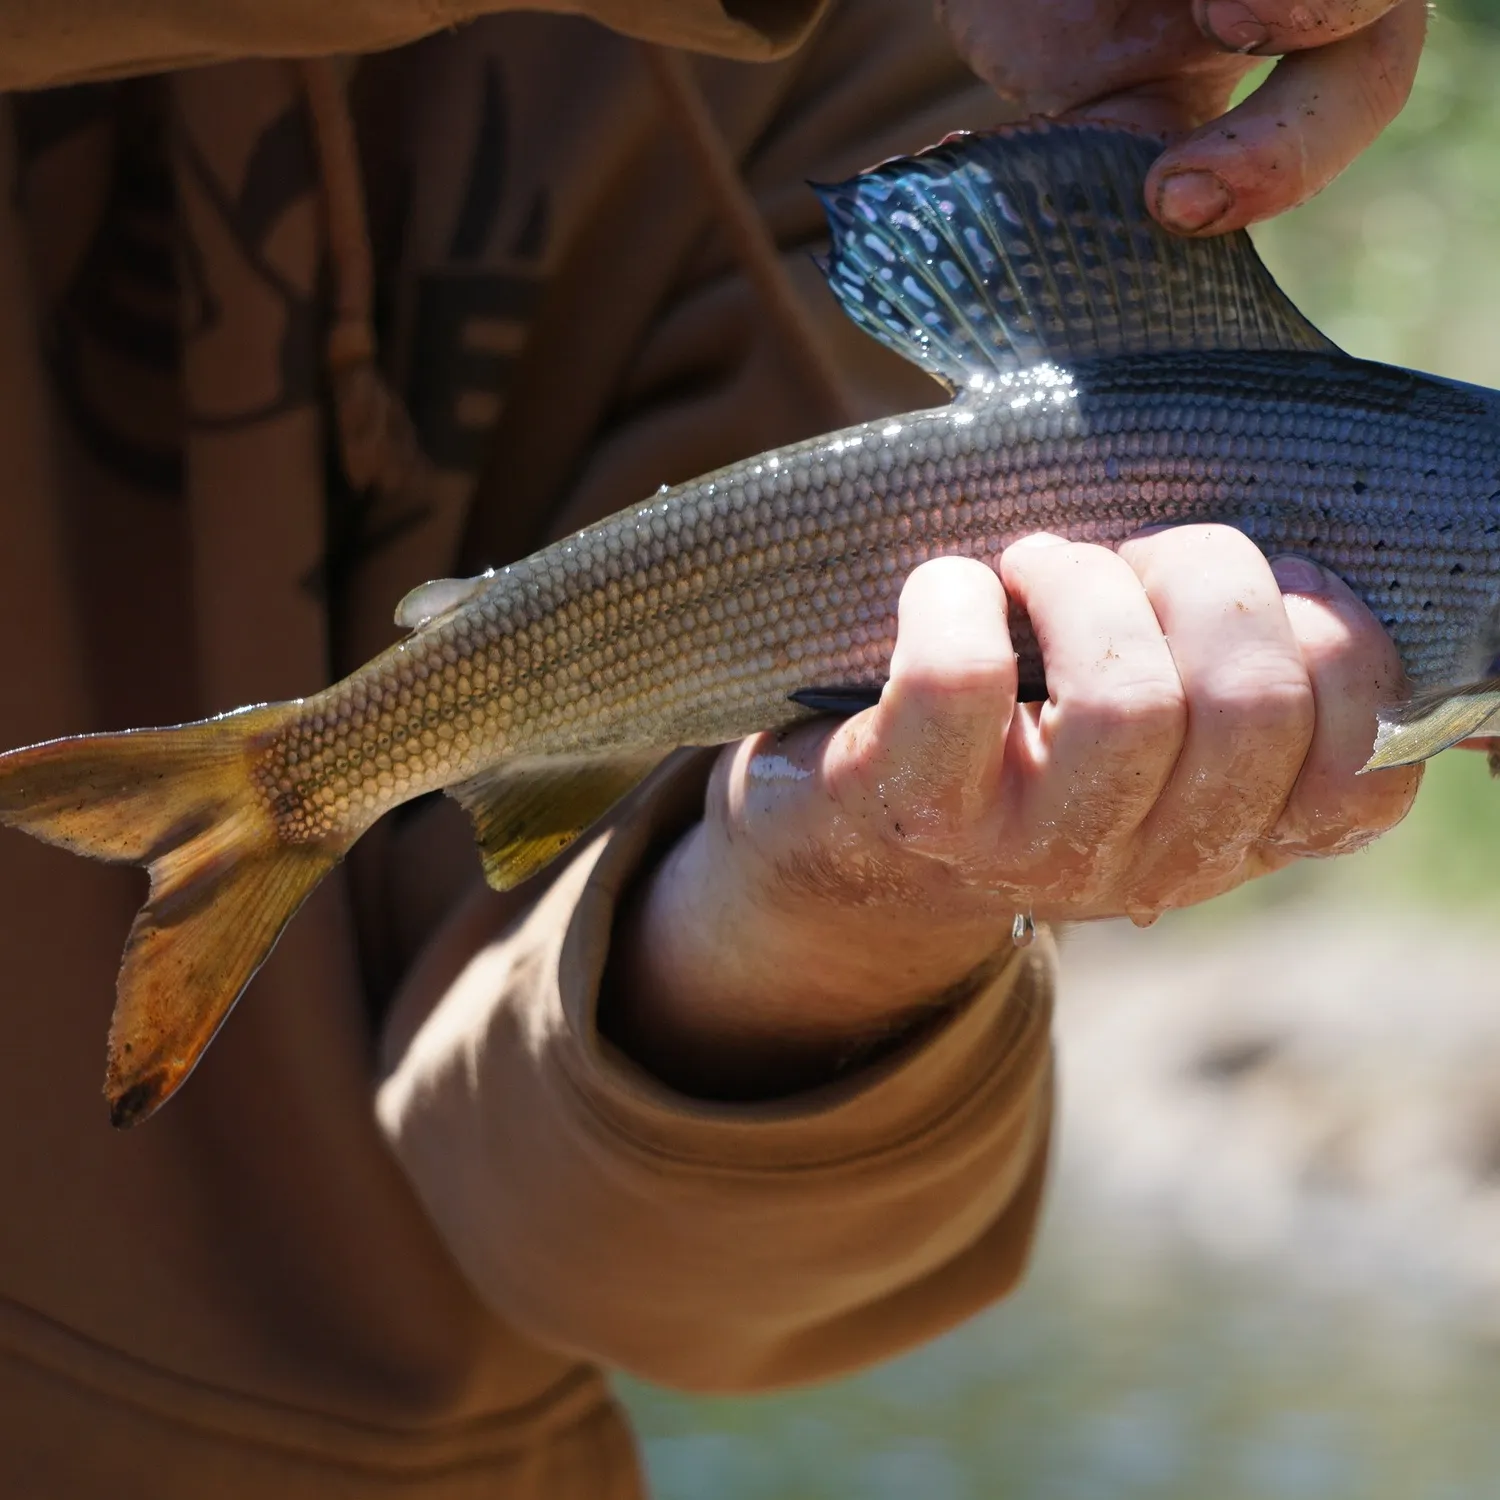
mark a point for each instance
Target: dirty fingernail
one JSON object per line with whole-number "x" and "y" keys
{"x": 1190, "y": 201}
{"x": 1298, "y": 575}
{"x": 1233, "y": 25}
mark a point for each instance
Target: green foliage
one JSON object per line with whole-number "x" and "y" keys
{"x": 1483, "y": 14}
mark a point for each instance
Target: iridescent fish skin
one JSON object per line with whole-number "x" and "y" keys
{"x": 1109, "y": 377}
{"x": 693, "y": 618}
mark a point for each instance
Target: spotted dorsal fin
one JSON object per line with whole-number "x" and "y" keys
{"x": 1032, "y": 245}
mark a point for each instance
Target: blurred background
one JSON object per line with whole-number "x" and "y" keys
{"x": 1270, "y": 1263}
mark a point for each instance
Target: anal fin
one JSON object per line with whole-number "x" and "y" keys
{"x": 526, "y": 813}
{"x": 1433, "y": 721}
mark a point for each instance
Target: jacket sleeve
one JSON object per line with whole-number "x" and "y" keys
{"x": 703, "y": 1245}
{"x": 48, "y": 42}
{"x": 708, "y": 1246}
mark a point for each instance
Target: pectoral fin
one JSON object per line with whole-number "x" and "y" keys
{"x": 1432, "y": 722}
{"x": 526, "y": 813}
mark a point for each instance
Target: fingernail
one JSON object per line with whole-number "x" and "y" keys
{"x": 1190, "y": 201}
{"x": 1298, "y": 575}
{"x": 1041, "y": 539}
{"x": 1233, "y": 25}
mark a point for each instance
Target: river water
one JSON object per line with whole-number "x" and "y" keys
{"x": 1270, "y": 1263}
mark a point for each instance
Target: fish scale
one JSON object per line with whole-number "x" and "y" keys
{"x": 1106, "y": 377}
{"x": 695, "y": 616}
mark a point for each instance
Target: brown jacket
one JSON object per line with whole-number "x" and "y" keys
{"x": 412, "y": 1203}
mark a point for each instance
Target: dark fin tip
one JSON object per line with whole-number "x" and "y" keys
{"x": 836, "y": 700}
{"x": 139, "y": 1102}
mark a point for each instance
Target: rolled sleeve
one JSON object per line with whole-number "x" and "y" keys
{"x": 49, "y": 42}
{"x": 704, "y": 1245}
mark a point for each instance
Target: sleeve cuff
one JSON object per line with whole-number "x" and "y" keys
{"x": 747, "y": 30}
{"x": 715, "y": 1246}
{"x": 988, "y": 1039}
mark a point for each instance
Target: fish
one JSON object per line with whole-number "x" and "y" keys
{"x": 1104, "y": 376}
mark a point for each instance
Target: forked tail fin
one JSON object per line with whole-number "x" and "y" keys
{"x": 223, "y": 885}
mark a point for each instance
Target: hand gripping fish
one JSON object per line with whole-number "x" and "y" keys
{"x": 1106, "y": 376}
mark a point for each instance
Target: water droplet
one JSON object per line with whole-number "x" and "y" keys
{"x": 1023, "y": 929}
{"x": 1144, "y": 916}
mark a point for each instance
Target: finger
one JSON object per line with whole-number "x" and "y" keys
{"x": 1046, "y": 58}
{"x": 1315, "y": 113}
{"x": 1169, "y": 105}
{"x": 934, "y": 745}
{"x": 1250, "y": 710}
{"x": 1269, "y": 27}
{"x": 1354, "y": 671}
{"x": 1103, "y": 746}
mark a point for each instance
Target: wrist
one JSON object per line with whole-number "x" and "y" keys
{"x": 730, "y": 980}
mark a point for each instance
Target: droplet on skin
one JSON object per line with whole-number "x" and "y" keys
{"x": 1144, "y": 916}
{"x": 1023, "y": 929}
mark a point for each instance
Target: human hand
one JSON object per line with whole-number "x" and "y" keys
{"x": 1171, "y": 66}
{"x": 1203, "y": 727}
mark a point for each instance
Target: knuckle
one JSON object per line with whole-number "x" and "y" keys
{"x": 1267, "y": 703}
{"x": 1346, "y": 652}
{"x": 1131, "y": 713}
{"x": 1215, "y": 535}
{"x": 969, "y": 680}
{"x": 1341, "y": 817}
{"x": 1170, "y": 545}
{"x": 1072, "y": 879}
{"x": 1316, "y": 22}
{"x": 1172, "y": 884}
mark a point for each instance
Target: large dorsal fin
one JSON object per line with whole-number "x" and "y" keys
{"x": 990, "y": 253}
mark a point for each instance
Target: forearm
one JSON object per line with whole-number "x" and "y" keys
{"x": 713, "y": 1245}
{"x": 726, "y": 989}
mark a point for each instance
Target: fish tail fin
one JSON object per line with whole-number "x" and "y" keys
{"x": 223, "y": 882}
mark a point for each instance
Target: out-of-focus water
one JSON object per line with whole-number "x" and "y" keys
{"x": 1171, "y": 1379}
{"x": 1277, "y": 1280}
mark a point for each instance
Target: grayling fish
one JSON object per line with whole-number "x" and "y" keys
{"x": 1107, "y": 377}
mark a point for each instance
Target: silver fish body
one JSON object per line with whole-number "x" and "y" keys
{"x": 693, "y": 617}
